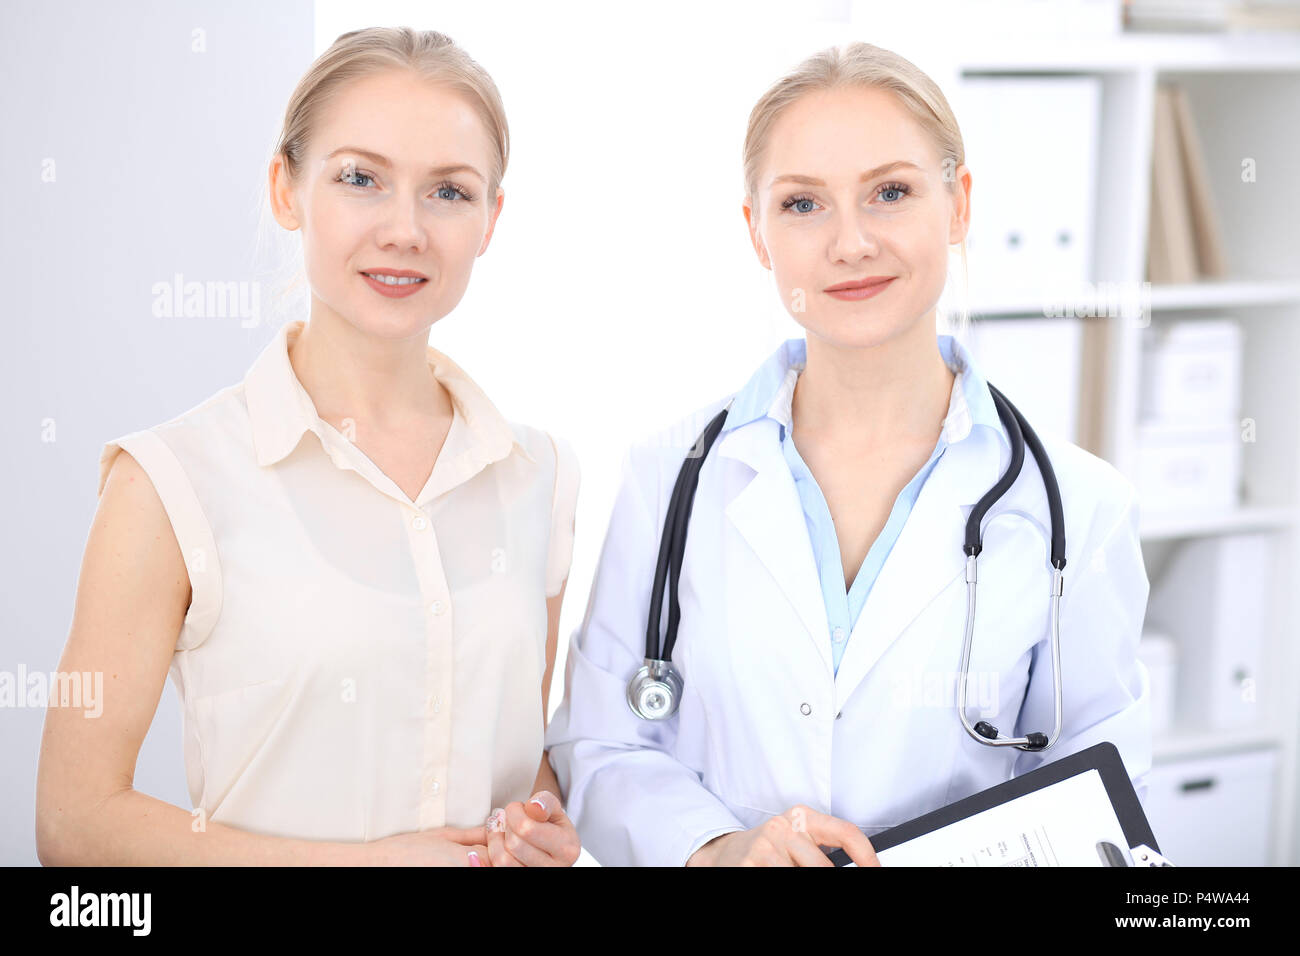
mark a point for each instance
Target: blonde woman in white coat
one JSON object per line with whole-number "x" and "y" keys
{"x": 822, "y": 590}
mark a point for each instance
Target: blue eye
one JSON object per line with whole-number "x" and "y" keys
{"x": 348, "y": 175}
{"x": 450, "y": 187}
{"x": 899, "y": 188}
{"x": 800, "y": 204}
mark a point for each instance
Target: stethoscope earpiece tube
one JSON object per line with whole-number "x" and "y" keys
{"x": 974, "y": 543}
{"x": 661, "y": 570}
{"x": 699, "y": 452}
{"x": 656, "y": 689}
{"x": 1054, "y": 506}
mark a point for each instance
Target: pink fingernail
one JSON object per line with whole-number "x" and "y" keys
{"x": 473, "y": 859}
{"x": 540, "y": 804}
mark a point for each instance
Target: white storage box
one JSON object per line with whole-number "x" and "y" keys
{"x": 1191, "y": 372}
{"x": 1189, "y": 467}
{"x": 1214, "y": 600}
{"x": 1158, "y": 652}
{"x": 1213, "y": 811}
{"x": 1035, "y": 363}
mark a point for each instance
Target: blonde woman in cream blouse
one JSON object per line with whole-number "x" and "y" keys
{"x": 350, "y": 563}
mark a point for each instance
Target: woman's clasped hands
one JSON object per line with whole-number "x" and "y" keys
{"x": 536, "y": 833}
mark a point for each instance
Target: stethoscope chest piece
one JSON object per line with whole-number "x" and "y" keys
{"x": 655, "y": 691}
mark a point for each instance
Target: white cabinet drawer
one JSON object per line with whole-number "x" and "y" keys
{"x": 1213, "y": 811}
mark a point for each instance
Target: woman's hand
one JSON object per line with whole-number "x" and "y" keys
{"x": 444, "y": 846}
{"x": 794, "y": 838}
{"x": 536, "y": 833}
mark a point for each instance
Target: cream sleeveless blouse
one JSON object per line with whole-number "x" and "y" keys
{"x": 354, "y": 664}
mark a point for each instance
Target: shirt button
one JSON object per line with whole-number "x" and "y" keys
{"x": 433, "y": 787}
{"x": 805, "y": 709}
{"x": 419, "y": 522}
{"x": 437, "y": 607}
{"x": 838, "y": 635}
{"x": 434, "y": 705}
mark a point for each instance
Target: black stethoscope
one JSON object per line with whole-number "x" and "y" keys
{"x": 655, "y": 691}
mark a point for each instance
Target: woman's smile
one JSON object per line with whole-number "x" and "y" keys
{"x": 864, "y": 289}
{"x": 395, "y": 284}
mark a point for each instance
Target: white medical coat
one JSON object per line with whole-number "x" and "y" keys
{"x": 765, "y": 723}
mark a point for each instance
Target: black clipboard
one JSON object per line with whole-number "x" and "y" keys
{"x": 1102, "y": 757}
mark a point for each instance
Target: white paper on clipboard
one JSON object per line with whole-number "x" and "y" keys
{"x": 1059, "y": 825}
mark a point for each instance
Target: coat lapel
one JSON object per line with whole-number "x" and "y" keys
{"x": 928, "y": 555}
{"x": 769, "y": 516}
{"x": 926, "y": 558}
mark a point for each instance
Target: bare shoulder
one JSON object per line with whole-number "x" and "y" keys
{"x": 129, "y": 497}
{"x": 132, "y": 538}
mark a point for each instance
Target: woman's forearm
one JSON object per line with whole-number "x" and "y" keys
{"x": 130, "y": 828}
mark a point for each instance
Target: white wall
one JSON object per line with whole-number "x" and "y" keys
{"x": 157, "y": 140}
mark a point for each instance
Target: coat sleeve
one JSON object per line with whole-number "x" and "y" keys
{"x": 1105, "y": 688}
{"x": 632, "y": 801}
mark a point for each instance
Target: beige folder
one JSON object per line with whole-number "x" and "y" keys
{"x": 1205, "y": 224}
{"x": 1171, "y": 248}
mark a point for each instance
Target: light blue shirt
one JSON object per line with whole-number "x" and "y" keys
{"x": 769, "y": 393}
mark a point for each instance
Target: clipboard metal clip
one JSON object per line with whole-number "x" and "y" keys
{"x": 1143, "y": 855}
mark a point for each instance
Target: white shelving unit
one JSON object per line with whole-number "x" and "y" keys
{"x": 1244, "y": 92}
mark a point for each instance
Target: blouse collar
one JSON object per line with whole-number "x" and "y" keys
{"x": 281, "y": 411}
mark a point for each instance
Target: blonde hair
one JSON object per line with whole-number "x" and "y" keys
{"x": 861, "y": 65}
{"x": 430, "y": 54}
{"x": 433, "y": 56}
